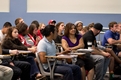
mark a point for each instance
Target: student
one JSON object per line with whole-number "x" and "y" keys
{"x": 32, "y": 39}
{"x": 6, "y": 73}
{"x": 78, "y": 26}
{"x": 24, "y": 37}
{"x": 39, "y": 31}
{"x": 60, "y": 32}
{"x": 73, "y": 41}
{"x": 100, "y": 57}
{"x": 12, "y": 40}
{"x": 3, "y": 31}
{"x": 52, "y": 22}
{"x": 46, "y": 47}
{"x": 19, "y": 20}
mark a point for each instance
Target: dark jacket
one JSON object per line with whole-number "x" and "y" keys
{"x": 13, "y": 44}
{"x": 5, "y": 61}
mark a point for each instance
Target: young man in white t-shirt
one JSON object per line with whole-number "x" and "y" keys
{"x": 3, "y": 31}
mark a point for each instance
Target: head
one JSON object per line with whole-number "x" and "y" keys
{"x": 90, "y": 25}
{"x": 79, "y": 25}
{"x": 119, "y": 26}
{"x": 69, "y": 29}
{"x": 6, "y": 26}
{"x": 12, "y": 33}
{"x": 41, "y": 26}
{"x": 36, "y": 23}
{"x": 32, "y": 29}
{"x": 60, "y": 27}
{"x": 19, "y": 20}
{"x": 97, "y": 28}
{"x": 84, "y": 30}
{"x": 22, "y": 29}
{"x": 113, "y": 26}
{"x": 52, "y": 22}
{"x": 50, "y": 31}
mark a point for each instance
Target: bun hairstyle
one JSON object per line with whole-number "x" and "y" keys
{"x": 47, "y": 30}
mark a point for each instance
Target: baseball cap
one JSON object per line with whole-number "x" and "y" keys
{"x": 98, "y": 26}
{"x": 51, "y": 21}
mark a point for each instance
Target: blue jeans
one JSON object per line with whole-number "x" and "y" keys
{"x": 34, "y": 67}
{"x": 101, "y": 64}
{"x": 24, "y": 67}
{"x": 69, "y": 71}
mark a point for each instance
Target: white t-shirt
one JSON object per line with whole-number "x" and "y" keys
{"x": 2, "y": 36}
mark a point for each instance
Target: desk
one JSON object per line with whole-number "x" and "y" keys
{"x": 54, "y": 59}
{"x": 24, "y": 52}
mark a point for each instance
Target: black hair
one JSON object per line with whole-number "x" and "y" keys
{"x": 7, "y": 24}
{"x": 36, "y": 23}
{"x": 48, "y": 29}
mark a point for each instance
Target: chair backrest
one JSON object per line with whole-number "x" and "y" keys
{"x": 43, "y": 72}
{"x": 41, "y": 66}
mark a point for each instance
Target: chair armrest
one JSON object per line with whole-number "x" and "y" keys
{"x": 5, "y": 56}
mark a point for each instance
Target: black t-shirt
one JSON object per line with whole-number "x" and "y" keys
{"x": 89, "y": 37}
{"x": 58, "y": 39}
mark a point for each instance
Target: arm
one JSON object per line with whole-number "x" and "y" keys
{"x": 65, "y": 44}
{"x": 12, "y": 45}
{"x": 42, "y": 57}
{"x": 5, "y": 51}
{"x": 80, "y": 45}
{"x": 113, "y": 41}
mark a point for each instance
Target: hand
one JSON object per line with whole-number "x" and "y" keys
{"x": 38, "y": 38}
{"x": 33, "y": 49}
{"x": 11, "y": 63}
{"x": 106, "y": 54}
{"x": 14, "y": 52}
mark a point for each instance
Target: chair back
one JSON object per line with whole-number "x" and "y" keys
{"x": 43, "y": 72}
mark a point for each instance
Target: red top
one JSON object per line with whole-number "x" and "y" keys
{"x": 39, "y": 34}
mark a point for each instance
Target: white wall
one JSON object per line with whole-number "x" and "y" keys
{"x": 4, "y": 5}
{"x": 75, "y": 6}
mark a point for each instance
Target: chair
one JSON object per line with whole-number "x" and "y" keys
{"x": 43, "y": 72}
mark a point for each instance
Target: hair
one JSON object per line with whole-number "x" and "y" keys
{"x": 85, "y": 29}
{"x": 57, "y": 25}
{"x": 91, "y": 25}
{"x": 47, "y": 30}
{"x": 36, "y": 23}
{"x": 22, "y": 28}
{"x": 68, "y": 28}
{"x": 111, "y": 24}
{"x": 31, "y": 29}
{"x": 7, "y": 24}
{"x": 78, "y": 24}
{"x": 17, "y": 21}
{"x": 9, "y": 33}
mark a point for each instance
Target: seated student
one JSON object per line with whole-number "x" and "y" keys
{"x": 3, "y": 31}
{"x": 78, "y": 26}
{"x": 33, "y": 40}
{"x": 23, "y": 36}
{"x": 12, "y": 40}
{"x": 46, "y": 47}
{"x": 6, "y": 73}
{"x": 39, "y": 31}
{"x": 60, "y": 31}
{"x": 21, "y": 69}
{"x": 39, "y": 28}
{"x": 100, "y": 57}
{"x": 18, "y": 20}
{"x": 52, "y": 22}
{"x": 112, "y": 37}
{"x": 73, "y": 41}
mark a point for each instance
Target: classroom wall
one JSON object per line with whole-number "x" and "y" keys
{"x": 87, "y": 11}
